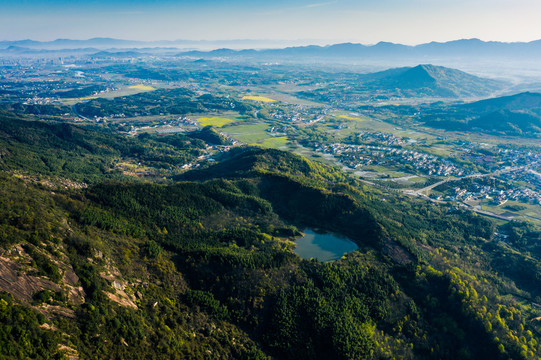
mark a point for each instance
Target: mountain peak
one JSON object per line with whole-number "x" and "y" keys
{"x": 418, "y": 76}
{"x": 432, "y": 80}
{"x": 385, "y": 43}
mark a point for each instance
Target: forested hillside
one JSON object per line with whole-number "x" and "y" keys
{"x": 170, "y": 101}
{"x": 110, "y": 249}
{"x": 516, "y": 115}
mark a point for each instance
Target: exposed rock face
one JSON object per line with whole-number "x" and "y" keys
{"x": 16, "y": 279}
{"x": 119, "y": 294}
{"x": 396, "y": 252}
{"x": 69, "y": 352}
{"x": 122, "y": 299}
{"x": 56, "y": 311}
{"x": 22, "y": 286}
{"x": 76, "y": 294}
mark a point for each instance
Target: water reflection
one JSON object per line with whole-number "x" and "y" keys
{"x": 323, "y": 246}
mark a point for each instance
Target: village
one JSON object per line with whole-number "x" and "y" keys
{"x": 356, "y": 156}
{"x": 496, "y": 196}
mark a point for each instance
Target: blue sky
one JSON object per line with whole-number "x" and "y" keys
{"x": 364, "y": 21}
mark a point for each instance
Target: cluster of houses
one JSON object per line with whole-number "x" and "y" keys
{"x": 385, "y": 138}
{"x": 498, "y": 196}
{"x": 356, "y": 156}
{"x": 278, "y": 130}
{"x": 299, "y": 114}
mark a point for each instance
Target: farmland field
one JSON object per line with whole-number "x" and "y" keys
{"x": 214, "y": 121}
{"x": 258, "y": 98}
{"x": 348, "y": 117}
{"x": 250, "y": 134}
{"x": 275, "y": 142}
{"x": 141, "y": 87}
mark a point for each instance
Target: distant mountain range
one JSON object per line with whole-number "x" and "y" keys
{"x": 271, "y": 48}
{"x": 101, "y": 43}
{"x": 518, "y": 114}
{"x": 71, "y": 44}
{"x": 457, "y": 48}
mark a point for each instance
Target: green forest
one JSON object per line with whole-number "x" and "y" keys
{"x": 169, "y": 101}
{"x": 98, "y": 263}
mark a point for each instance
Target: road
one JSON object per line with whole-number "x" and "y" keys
{"x": 425, "y": 191}
{"x": 74, "y": 108}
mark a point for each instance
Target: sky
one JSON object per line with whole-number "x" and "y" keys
{"x": 317, "y": 21}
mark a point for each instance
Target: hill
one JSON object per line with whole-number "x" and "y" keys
{"x": 518, "y": 115}
{"x": 211, "y": 136}
{"x": 519, "y": 102}
{"x": 421, "y": 81}
{"x": 433, "y": 81}
{"x": 201, "y": 264}
{"x": 508, "y": 122}
{"x": 85, "y": 155}
{"x": 172, "y": 101}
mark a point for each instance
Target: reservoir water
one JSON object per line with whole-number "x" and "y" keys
{"x": 323, "y": 246}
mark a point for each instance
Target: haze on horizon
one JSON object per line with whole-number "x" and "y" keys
{"x": 317, "y": 21}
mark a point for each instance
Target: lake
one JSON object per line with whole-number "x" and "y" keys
{"x": 323, "y": 246}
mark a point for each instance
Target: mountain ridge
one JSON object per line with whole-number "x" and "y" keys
{"x": 434, "y": 81}
{"x": 518, "y": 114}
{"x": 420, "y": 81}
{"x": 460, "y": 47}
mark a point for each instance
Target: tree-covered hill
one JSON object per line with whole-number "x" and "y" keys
{"x": 83, "y": 154}
{"x": 163, "y": 101}
{"x": 421, "y": 82}
{"x": 516, "y": 115}
{"x": 433, "y": 81}
{"x": 201, "y": 266}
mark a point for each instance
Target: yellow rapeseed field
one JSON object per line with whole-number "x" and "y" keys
{"x": 347, "y": 117}
{"x": 258, "y": 98}
{"x": 141, "y": 87}
{"x": 82, "y": 98}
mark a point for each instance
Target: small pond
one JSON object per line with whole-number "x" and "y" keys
{"x": 323, "y": 246}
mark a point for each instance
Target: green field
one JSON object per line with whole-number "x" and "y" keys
{"x": 379, "y": 169}
{"x": 417, "y": 179}
{"x": 274, "y": 142}
{"x": 397, "y": 174}
{"x": 250, "y": 133}
{"x": 532, "y": 212}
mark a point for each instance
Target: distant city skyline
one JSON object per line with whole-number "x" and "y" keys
{"x": 317, "y": 21}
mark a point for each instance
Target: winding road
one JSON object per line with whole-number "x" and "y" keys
{"x": 74, "y": 108}
{"x": 425, "y": 191}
